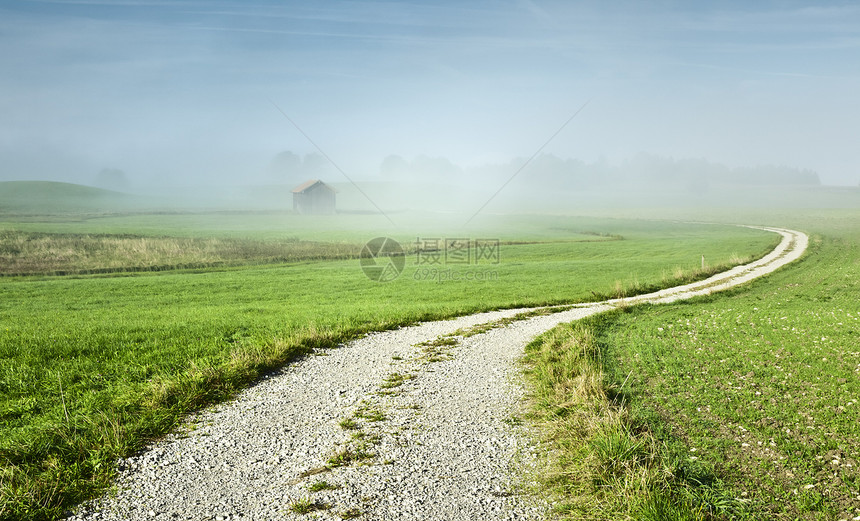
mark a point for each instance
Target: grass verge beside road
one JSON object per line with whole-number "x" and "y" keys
{"x": 743, "y": 405}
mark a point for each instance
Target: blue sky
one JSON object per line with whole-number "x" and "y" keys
{"x": 169, "y": 90}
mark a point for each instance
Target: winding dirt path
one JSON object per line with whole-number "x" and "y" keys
{"x": 415, "y": 423}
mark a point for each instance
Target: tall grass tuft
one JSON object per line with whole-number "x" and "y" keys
{"x": 31, "y": 253}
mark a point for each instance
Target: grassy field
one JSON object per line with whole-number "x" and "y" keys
{"x": 737, "y": 406}
{"x": 92, "y": 366}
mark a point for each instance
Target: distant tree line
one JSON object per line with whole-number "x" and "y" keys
{"x": 422, "y": 167}
{"x": 293, "y": 169}
{"x": 643, "y": 171}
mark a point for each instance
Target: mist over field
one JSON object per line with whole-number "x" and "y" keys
{"x": 440, "y": 106}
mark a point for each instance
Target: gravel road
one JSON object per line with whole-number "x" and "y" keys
{"x": 422, "y": 419}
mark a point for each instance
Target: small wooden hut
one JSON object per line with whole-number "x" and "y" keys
{"x": 314, "y": 198}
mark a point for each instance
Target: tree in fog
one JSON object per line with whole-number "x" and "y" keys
{"x": 112, "y": 179}
{"x": 435, "y": 169}
{"x": 316, "y": 166}
{"x": 394, "y": 167}
{"x": 286, "y": 167}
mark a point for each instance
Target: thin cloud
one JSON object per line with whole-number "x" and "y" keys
{"x": 464, "y": 81}
{"x": 112, "y": 3}
{"x": 757, "y": 72}
{"x": 537, "y": 11}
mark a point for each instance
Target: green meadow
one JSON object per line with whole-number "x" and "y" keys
{"x": 742, "y": 405}
{"x": 115, "y": 324}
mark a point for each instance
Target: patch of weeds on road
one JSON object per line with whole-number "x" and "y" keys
{"x": 321, "y": 485}
{"x": 540, "y": 312}
{"x": 351, "y": 513}
{"x": 361, "y": 442}
{"x": 306, "y": 505}
{"x": 440, "y": 341}
{"x": 360, "y": 445}
{"x": 479, "y": 329}
{"x": 366, "y": 439}
{"x": 395, "y": 380}
{"x": 348, "y": 424}
{"x": 350, "y": 455}
{"x": 370, "y": 412}
{"x": 438, "y": 349}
